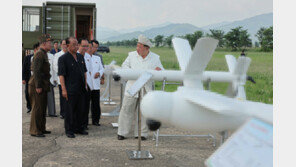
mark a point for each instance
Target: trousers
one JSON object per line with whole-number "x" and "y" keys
{"x": 62, "y": 102}
{"x": 126, "y": 118}
{"x": 95, "y": 106}
{"x": 39, "y": 104}
{"x": 51, "y": 101}
{"x": 74, "y": 113}
{"x": 27, "y": 95}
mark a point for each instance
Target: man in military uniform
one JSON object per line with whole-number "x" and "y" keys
{"x": 39, "y": 86}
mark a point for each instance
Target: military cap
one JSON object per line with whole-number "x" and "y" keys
{"x": 45, "y": 38}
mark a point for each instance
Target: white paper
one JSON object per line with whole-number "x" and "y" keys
{"x": 250, "y": 146}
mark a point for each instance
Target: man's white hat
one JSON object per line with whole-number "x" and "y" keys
{"x": 144, "y": 40}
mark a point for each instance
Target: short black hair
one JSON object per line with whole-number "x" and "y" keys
{"x": 36, "y": 45}
{"x": 82, "y": 39}
{"x": 68, "y": 40}
{"x": 94, "y": 41}
{"x": 55, "y": 42}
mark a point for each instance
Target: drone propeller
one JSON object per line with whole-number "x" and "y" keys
{"x": 183, "y": 51}
{"x": 238, "y": 68}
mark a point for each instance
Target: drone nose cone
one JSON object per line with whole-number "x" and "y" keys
{"x": 157, "y": 105}
{"x": 153, "y": 125}
{"x": 116, "y": 77}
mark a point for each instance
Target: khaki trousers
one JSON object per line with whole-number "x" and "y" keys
{"x": 39, "y": 104}
{"x": 126, "y": 116}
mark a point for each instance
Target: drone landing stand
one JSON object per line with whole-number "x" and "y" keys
{"x": 137, "y": 155}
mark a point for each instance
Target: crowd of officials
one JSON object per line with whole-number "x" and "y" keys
{"x": 78, "y": 72}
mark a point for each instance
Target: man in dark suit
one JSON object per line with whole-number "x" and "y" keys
{"x": 26, "y": 74}
{"x": 72, "y": 74}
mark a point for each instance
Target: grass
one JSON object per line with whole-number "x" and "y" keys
{"x": 261, "y": 69}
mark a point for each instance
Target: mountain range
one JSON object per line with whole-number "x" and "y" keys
{"x": 252, "y": 24}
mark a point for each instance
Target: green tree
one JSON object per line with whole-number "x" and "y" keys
{"x": 259, "y": 35}
{"x": 238, "y": 38}
{"x": 189, "y": 38}
{"x": 158, "y": 40}
{"x": 257, "y": 44}
{"x": 219, "y": 35}
{"x": 168, "y": 40}
{"x": 192, "y": 38}
{"x": 265, "y": 37}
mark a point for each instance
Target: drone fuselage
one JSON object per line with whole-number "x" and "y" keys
{"x": 178, "y": 110}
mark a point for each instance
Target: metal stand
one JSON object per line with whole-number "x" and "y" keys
{"x": 156, "y": 134}
{"x": 138, "y": 154}
{"x": 115, "y": 112}
{"x": 107, "y": 97}
{"x": 224, "y": 136}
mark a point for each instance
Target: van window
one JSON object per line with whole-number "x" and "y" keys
{"x": 31, "y": 19}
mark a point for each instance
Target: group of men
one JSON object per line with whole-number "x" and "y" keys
{"x": 78, "y": 72}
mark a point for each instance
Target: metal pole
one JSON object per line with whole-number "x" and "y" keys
{"x": 138, "y": 154}
{"x": 139, "y": 122}
{"x": 163, "y": 84}
{"x": 208, "y": 86}
{"x": 109, "y": 89}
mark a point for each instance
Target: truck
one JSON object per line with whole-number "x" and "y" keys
{"x": 60, "y": 20}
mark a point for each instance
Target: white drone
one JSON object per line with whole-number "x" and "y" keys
{"x": 192, "y": 107}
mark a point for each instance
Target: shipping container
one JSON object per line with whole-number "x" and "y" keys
{"x": 60, "y": 20}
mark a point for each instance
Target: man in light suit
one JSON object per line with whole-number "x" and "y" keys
{"x": 142, "y": 58}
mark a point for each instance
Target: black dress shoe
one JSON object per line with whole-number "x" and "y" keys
{"x": 46, "y": 132}
{"x": 38, "y": 135}
{"x": 62, "y": 117}
{"x": 120, "y": 137}
{"x": 70, "y": 135}
{"x": 96, "y": 124}
{"x": 83, "y": 132}
{"x": 29, "y": 110}
{"x": 142, "y": 138}
{"x": 52, "y": 115}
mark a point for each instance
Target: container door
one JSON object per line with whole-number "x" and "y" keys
{"x": 58, "y": 21}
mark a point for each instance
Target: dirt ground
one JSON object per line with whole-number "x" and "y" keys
{"x": 101, "y": 147}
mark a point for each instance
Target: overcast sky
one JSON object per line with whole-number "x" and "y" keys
{"x": 125, "y": 14}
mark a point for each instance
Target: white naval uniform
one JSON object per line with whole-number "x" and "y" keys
{"x": 55, "y": 64}
{"x": 93, "y": 65}
{"x": 127, "y": 112}
{"x": 50, "y": 94}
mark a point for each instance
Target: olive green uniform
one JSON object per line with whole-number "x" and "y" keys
{"x": 40, "y": 79}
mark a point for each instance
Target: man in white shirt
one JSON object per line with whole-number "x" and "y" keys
{"x": 50, "y": 95}
{"x": 55, "y": 70}
{"x": 95, "y": 73}
{"x": 83, "y": 46}
{"x": 143, "y": 58}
